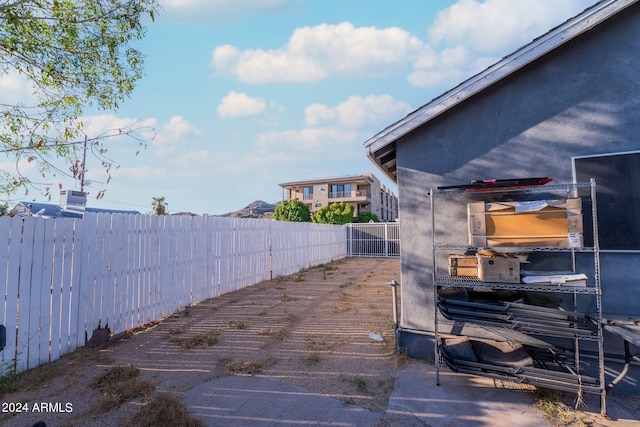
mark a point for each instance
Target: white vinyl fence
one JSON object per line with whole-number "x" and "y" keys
{"x": 61, "y": 278}
{"x": 381, "y": 239}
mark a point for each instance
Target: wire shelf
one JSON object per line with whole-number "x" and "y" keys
{"x": 473, "y": 282}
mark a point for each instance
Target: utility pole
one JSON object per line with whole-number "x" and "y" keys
{"x": 84, "y": 162}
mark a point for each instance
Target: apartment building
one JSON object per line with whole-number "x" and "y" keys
{"x": 365, "y": 192}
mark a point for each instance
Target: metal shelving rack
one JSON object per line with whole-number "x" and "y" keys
{"x": 573, "y": 381}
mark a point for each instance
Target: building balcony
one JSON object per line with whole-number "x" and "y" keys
{"x": 359, "y": 194}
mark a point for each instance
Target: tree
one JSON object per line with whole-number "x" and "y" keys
{"x": 335, "y": 213}
{"x": 159, "y": 205}
{"x": 292, "y": 210}
{"x": 365, "y": 217}
{"x": 71, "y": 54}
{"x": 4, "y": 209}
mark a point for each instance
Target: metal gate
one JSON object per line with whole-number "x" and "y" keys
{"x": 373, "y": 240}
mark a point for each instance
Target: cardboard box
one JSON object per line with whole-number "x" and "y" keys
{"x": 499, "y": 269}
{"x": 542, "y": 223}
{"x": 463, "y": 265}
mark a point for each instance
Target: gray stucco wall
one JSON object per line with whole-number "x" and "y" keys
{"x": 583, "y": 98}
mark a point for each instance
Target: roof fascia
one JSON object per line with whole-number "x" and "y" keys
{"x": 337, "y": 179}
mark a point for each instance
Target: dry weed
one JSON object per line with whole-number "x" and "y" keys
{"x": 290, "y": 317}
{"x": 275, "y": 334}
{"x": 238, "y": 324}
{"x": 552, "y": 406}
{"x": 33, "y": 378}
{"x": 119, "y": 385}
{"x": 250, "y": 367}
{"x": 312, "y": 358}
{"x": 207, "y": 339}
{"x": 358, "y": 382}
{"x": 163, "y": 410}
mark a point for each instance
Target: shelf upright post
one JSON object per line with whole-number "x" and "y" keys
{"x": 572, "y": 191}
{"x": 596, "y": 262}
{"x": 436, "y": 338}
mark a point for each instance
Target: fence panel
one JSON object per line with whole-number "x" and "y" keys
{"x": 65, "y": 244}
{"x": 374, "y": 240}
{"x": 40, "y": 354}
{"x": 85, "y": 286}
{"x": 76, "y": 335}
{"x": 57, "y": 281}
{"x": 212, "y": 258}
{"x": 102, "y": 267}
{"x": 168, "y": 247}
{"x": 119, "y": 267}
{"x": 225, "y": 254}
{"x": 24, "y": 293}
{"x": 14, "y": 238}
{"x": 65, "y": 277}
{"x": 146, "y": 266}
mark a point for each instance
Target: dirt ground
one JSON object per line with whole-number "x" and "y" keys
{"x": 312, "y": 330}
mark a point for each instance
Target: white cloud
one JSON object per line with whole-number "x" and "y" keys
{"x": 16, "y": 88}
{"x": 471, "y": 35}
{"x": 20, "y": 166}
{"x": 465, "y": 38}
{"x": 446, "y": 68}
{"x": 311, "y": 141}
{"x": 321, "y": 151}
{"x": 220, "y": 10}
{"x": 201, "y": 165}
{"x": 316, "y": 53}
{"x": 438, "y": 78}
{"x": 236, "y": 104}
{"x": 144, "y": 174}
{"x": 175, "y": 130}
{"x": 357, "y": 112}
{"x": 494, "y": 26}
{"x": 107, "y": 124}
{"x": 332, "y": 135}
{"x": 164, "y": 135}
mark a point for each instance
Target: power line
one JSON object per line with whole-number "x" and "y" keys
{"x": 37, "y": 147}
{"x": 131, "y": 132}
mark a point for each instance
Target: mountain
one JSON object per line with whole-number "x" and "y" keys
{"x": 257, "y": 209}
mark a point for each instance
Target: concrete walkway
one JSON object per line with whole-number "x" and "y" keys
{"x": 459, "y": 400}
{"x": 416, "y": 401}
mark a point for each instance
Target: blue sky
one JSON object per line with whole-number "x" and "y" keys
{"x": 245, "y": 95}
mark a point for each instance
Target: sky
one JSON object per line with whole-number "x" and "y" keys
{"x": 241, "y": 96}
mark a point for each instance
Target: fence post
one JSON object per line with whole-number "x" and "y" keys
{"x": 270, "y": 251}
{"x": 386, "y": 239}
{"x": 350, "y": 239}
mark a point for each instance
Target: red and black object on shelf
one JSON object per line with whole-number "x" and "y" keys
{"x": 482, "y": 184}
